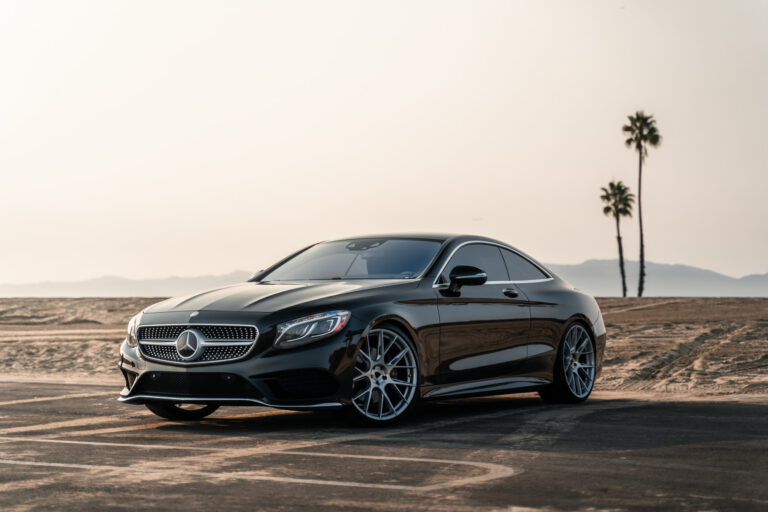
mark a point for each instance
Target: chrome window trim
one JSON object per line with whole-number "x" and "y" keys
{"x": 524, "y": 281}
{"x": 217, "y": 343}
{"x": 435, "y": 284}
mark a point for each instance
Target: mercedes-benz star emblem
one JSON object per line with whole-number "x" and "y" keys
{"x": 188, "y": 345}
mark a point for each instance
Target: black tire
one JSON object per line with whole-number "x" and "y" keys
{"x": 559, "y": 392}
{"x": 172, "y": 411}
{"x": 358, "y": 418}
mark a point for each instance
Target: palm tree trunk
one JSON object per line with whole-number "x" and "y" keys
{"x": 621, "y": 260}
{"x": 641, "y": 283}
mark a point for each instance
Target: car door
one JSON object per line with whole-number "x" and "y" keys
{"x": 537, "y": 285}
{"x": 484, "y": 329}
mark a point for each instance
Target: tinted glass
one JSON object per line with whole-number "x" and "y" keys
{"x": 521, "y": 269}
{"x": 483, "y": 256}
{"x": 359, "y": 259}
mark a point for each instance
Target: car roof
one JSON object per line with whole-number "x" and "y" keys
{"x": 440, "y": 237}
{"x": 450, "y": 239}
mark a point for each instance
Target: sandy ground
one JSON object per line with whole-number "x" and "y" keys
{"x": 700, "y": 345}
{"x": 678, "y": 422}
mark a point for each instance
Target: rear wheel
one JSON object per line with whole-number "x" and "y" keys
{"x": 574, "y": 372}
{"x": 386, "y": 377}
{"x": 180, "y": 411}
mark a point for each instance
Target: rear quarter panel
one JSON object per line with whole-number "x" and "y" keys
{"x": 554, "y": 305}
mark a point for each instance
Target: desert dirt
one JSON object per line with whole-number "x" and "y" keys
{"x": 693, "y": 345}
{"x": 678, "y": 422}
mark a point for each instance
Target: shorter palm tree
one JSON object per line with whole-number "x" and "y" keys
{"x": 618, "y": 202}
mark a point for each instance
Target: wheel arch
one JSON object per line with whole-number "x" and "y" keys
{"x": 397, "y": 321}
{"x": 400, "y": 323}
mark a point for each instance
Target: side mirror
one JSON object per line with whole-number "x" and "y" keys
{"x": 464, "y": 275}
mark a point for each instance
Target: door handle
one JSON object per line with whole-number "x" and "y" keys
{"x": 510, "y": 292}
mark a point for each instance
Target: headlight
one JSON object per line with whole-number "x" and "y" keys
{"x": 310, "y": 328}
{"x": 133, "y": 325}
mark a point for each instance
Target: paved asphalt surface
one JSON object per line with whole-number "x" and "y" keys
{"x": 75, "y": 447}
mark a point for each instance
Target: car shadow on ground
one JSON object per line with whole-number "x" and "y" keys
{"x": 515, "y": 422}
{"x": 232, "y": 420}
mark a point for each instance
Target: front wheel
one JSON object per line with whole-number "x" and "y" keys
{"x": 386, "y": 377}
{"x": 181, "y": 412}
{"x": 574, "y": 372}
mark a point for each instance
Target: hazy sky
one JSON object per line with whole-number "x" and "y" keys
{"x": 146, "y": 139}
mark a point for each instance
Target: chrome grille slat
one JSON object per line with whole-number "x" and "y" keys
{"x": 222, "y": 342}
{"x": 211, "y": 332}
{"x": 224, "y": 353}
{"x": 162, "y": 352}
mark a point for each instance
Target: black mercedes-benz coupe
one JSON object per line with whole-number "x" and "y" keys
{"x": 369, "y": 325}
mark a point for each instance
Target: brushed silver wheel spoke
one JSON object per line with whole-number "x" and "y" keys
{"x": 386, "y": 397}
{"x": 362, "y": 374}
{"x": 583, "y": 345}
{"x": 362, "y": 394}
{"x": 380, "y": 345}
{"x": 368, "y": 401}
{"x": 572, "y": 340}
{"x": 399, "y": 356}
{"x": 388, "y": 347}
{"x": 402, "y": 396}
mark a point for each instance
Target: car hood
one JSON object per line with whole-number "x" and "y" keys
{"x": 265, "y": 297}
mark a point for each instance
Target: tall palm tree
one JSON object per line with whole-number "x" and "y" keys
{"x": 641, "y": 132}
{"x": 618, "y": 202}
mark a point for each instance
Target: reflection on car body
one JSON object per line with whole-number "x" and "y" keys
{"x": 370, "y": 325}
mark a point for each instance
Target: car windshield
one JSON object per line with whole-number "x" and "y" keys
{"x": 364, "y": 258}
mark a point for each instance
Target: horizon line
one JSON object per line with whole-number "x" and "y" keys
{"x": 198, "y": 276}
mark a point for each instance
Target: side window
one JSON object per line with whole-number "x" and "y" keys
{"x": 483, "y": 256}
{"x": 521, "y": 269}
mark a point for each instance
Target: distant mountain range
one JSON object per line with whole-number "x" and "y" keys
{"x": 112, "y": 286}
{"x": 602, "y": 279}
{"x": 598, "y": 277}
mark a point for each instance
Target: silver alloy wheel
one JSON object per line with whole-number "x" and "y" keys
{"x": 386, "y": 376}
{"x": 579, "y": 361}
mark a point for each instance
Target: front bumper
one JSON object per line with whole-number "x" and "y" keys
{"x": 316, "y": 376}
{"x": 142, "y": 398}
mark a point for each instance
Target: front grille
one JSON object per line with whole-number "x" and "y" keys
{"x": 224, "y": 353}
{"x": 164, "y": 352}
{"x": 211, "y": 332}
{"x": 201, "y": 385}
{"x": 160, "y": 332}
{"x": 220, "y": 343}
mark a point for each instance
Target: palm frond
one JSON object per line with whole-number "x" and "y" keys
{"x": 618, "y": 199}
{"x": 643, "y": 133}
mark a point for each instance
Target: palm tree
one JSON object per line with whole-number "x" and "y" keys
{"x": 618, "y": 202}
{"x": 642, "y": 133}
